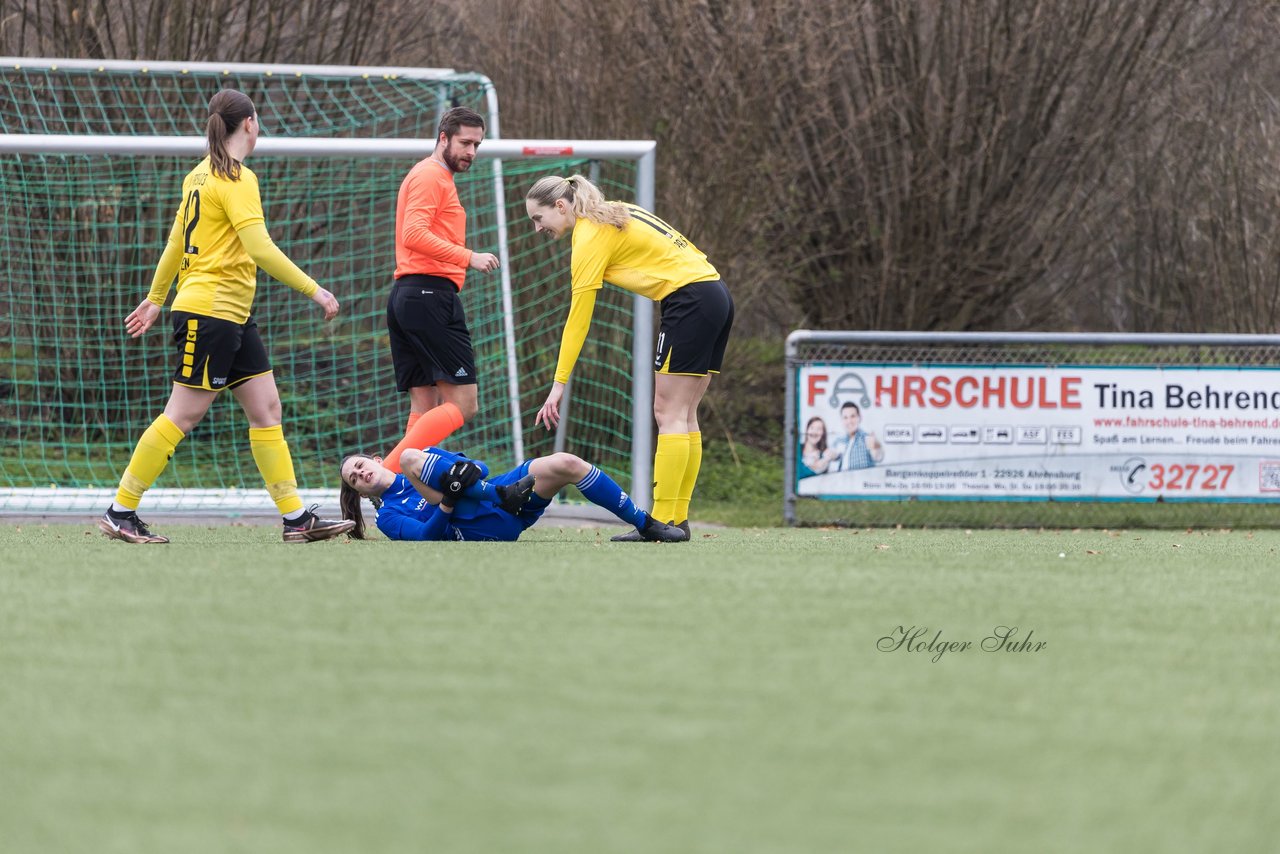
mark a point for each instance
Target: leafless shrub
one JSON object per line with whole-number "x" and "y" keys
{"x": 1103, "y": 164}
{"x": 311, "y": 31}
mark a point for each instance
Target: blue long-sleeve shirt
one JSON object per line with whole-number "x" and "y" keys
{"x": 406, "y": 515}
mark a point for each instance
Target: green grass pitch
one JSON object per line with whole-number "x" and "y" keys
{"x": 564, "y": 694}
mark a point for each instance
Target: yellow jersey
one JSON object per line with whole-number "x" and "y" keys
{"x": 217, "y": 277}
{"x": 217, "y": 242}
{"x": 646, "y": 256}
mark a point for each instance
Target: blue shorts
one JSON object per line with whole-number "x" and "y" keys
{"x": 493, "y": 524}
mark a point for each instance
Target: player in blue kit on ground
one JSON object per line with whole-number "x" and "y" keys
{"x": 445, "y": 496}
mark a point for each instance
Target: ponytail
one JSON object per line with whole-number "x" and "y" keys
{"x": 584, "y": 199}
{"x": 349, "y": 502}
{"x": 227, "y": 112}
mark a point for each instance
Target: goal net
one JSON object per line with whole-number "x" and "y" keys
{"x": 91, "y": 162}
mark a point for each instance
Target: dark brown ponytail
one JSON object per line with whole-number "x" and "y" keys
{"x": 227, "y": 111}
{"x": 349, "y": 502}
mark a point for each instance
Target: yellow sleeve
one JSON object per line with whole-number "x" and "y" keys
{"x": 264, "y": 252}
{"x": 592, "y": 247}
{"x": 242, "y": 200}
{"x": 575, "y": 332}
{"x": 167, "y": 269}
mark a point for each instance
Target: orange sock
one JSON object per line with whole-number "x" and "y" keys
{"x": 431, "y": 428}
{"x": 413, "y": 419}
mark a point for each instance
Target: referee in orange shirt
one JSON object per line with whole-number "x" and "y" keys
{"x": 430, "y": 343}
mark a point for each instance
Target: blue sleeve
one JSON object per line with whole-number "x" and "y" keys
{"x": 399, "y": 526}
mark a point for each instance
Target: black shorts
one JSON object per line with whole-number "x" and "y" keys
{"x": 430, "y": 342}
{"x": 695, "y": 329}
{"x": 214, "y": 353}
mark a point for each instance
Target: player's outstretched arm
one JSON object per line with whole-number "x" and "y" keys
{"x": 142, "y": 318}
{"x": 264, "y": 252}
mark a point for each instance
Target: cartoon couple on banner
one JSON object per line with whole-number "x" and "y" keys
{"x": 854, "y": 448}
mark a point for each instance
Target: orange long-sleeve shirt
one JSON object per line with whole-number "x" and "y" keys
{"x": 431, "y": 225}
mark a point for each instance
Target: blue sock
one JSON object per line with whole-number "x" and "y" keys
{"x": 483, "y": 490}
{"x": 536, "y": 502}
{"x": 601, "y": 489}
{"x": 436, "y": 466}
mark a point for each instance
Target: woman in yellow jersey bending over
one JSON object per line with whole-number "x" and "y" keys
{"x": 218, "y": 241}
{"x": 628, "y": 246}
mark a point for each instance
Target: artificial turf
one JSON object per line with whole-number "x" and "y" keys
{"x": 230, "y": 692}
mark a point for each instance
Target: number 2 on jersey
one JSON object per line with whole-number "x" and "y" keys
{"x": 191, "y": 216}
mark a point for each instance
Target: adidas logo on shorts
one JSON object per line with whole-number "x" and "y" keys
{"x": 462, "y": 372}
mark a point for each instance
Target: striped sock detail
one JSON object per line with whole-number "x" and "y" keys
{"x": 592, "y": 477}
{"x": 432, "y": 466}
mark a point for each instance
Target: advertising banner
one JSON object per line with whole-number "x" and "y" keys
{"x": 869, "y": 431}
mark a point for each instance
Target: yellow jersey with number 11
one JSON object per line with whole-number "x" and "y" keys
{"x": 646, "y": 256}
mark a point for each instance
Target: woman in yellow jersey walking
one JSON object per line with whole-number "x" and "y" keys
{"x": 218, "y": 241}
{"x": 633, "y": 249}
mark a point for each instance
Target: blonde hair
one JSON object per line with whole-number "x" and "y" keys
{"x": 584, "y": 199}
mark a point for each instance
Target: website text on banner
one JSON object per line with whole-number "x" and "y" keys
{"x": 1038, "y": 433}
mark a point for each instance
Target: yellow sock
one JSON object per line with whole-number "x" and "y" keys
{"x": 149, "y": 459}
{"x": 669, "y": 462}
{"x": 690, "y": 477}
{"x": 271, "y": 453}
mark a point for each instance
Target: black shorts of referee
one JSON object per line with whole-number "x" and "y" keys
{"x": 694, "y": 331}
{"x": 430, "y": 342}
